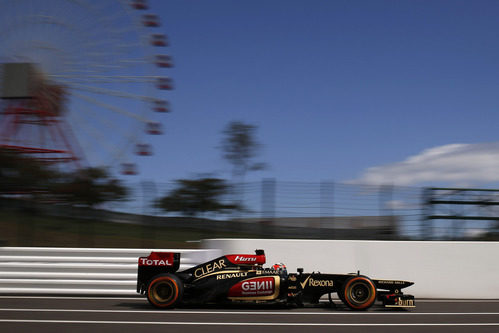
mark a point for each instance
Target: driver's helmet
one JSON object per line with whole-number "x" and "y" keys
{"x": 280, "y": 267}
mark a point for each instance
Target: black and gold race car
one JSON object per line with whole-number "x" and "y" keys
{"x": 242, "y": 278}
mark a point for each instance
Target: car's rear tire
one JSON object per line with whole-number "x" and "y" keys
{"x": 358, "y": 293}
{"x": 165, "y": 291}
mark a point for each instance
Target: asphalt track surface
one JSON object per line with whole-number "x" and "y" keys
{"x": 131, "y": 314}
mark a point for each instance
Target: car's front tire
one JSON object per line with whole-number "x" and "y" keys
{"x": 165, "y": 291}
{"x": 358, "y": 293}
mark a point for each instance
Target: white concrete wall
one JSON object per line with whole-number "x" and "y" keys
{"x": 439, "y": 269}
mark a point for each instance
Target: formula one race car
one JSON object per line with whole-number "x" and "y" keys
{"x": 241, "y": 277}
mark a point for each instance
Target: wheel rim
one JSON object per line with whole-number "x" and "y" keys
{"x": 360, "y": 293}
{"x": 163, "y": 292}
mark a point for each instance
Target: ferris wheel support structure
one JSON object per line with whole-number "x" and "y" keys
{"x": 81, "y": 81}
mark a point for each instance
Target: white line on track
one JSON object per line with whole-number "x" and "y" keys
{"x": 75, "y": 298}
{"x": 259, "y": 313}
{"x": 139, "y": 298}
{"x": 28, "y": 321}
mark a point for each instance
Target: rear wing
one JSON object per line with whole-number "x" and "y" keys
{"x": 154, "y": 264}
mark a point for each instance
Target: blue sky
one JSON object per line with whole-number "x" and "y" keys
{"x": 339, "y": 90}
{"x": 397, "y": 92}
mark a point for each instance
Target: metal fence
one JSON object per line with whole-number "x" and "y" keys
{"x": 272, "y": 209}
{"x": 328, "y": 202}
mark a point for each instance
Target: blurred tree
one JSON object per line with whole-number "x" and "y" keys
{"x": 239, "y": 147}
{"x": 21, "y": 175}
{"x": 89, "y": 187}
{"x": 193, "y": 197}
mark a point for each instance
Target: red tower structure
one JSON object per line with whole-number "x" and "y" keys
{"x": 82, "y": 82}
{"x": 32, "y": 121}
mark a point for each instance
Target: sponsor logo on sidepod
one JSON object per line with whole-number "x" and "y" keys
{"x": 231, "y": 275}
{"x": 262, "y": 286}
{"x": 209, "y": 268}
{"x": 316, "y": 283}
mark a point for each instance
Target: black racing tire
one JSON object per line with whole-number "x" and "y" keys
{"x": 358, "y": 293}
{"x": 165, "y": 291}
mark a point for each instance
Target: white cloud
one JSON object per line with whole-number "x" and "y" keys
{"x": 452, "y": 164}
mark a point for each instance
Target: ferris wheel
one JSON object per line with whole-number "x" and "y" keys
{"x": 82, "y": 82}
